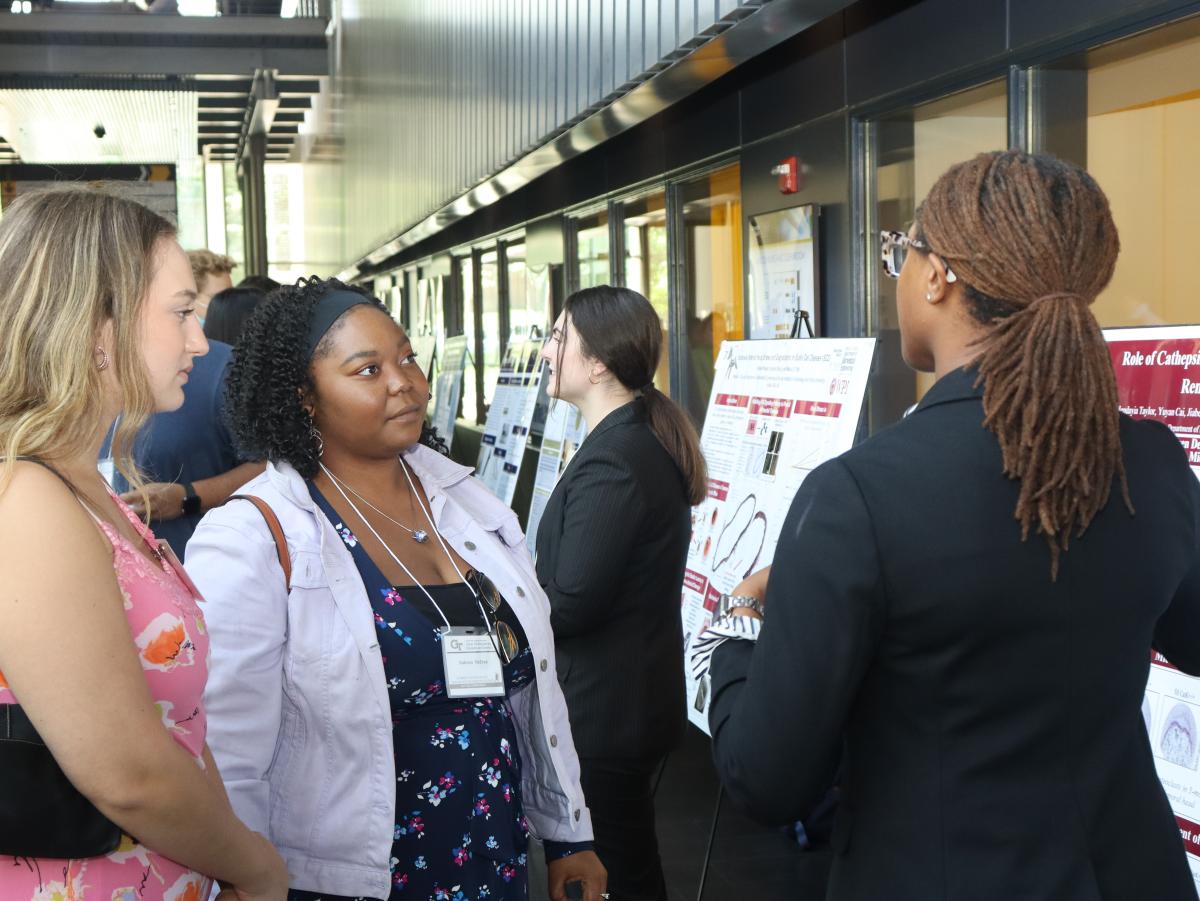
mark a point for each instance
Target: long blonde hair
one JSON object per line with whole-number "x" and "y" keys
{"x": 70, "y": 261}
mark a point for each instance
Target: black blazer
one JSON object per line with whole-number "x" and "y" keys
{"x": 612, "y": 546}
{"x": 994, "y": 744}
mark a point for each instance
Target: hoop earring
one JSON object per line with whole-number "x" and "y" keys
{"x": 102, "y": 363}
{"x": 315, "y": 435}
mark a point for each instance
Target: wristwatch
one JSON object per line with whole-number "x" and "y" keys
{"x": 728, "y": 602}
{"x": 191, "y": 500}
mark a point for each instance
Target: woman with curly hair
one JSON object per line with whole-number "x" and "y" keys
{"x": 391, "y": 718}
{"x": 961, "y": 609}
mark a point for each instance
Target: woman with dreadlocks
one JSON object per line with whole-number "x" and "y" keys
{"x": 965, "y": 604}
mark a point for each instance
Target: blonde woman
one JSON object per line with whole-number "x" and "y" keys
{"x": 103, "y": 650}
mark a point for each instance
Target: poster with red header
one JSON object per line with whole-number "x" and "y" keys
{"x": 1158, "y": 377}
{"x": 777, "y": 411}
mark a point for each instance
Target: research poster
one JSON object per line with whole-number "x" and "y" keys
{"x": 1158, "y": 377}
{"x": 564, "y": 432}
{"x": 425, "y": 349}
{"x": 778, "y": 410}
{"x": 783, "y": 271}
{"x": 509, "y": 417}
{"x": 448, "y": 390}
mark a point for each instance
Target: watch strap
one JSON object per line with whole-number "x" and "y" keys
{"x": 191, "y": 500}
{"x": 730, "y": 601}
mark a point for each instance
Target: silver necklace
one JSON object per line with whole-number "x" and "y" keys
{"x": 420, "y": 536}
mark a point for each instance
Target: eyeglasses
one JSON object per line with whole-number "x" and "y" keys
{"x": 895, "y": 247}
{"x": 490, "y": 595}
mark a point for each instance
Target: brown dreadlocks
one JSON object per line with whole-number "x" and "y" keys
{"x": 1033, "y": 241}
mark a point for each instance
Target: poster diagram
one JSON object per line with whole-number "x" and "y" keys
{"x": 1158, "y": 377}
{"x": 507, "y": 429}
{"x": 564, "y": 432}
{"x": 778, "y": 410}
{"x": 783, "y": 272}
{"x": 447, "y": 391}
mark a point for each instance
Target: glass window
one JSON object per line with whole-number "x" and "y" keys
{"x": 712, "y": 247}
{"x": 1130, "y": 112}
{"x": 591, "y": 242}
{"x": 911, "y": 149}
{"x": 489, "y": 302}
{"x": 529, "y": 301}
{"x": 644, "y": 224}
{"x": 470, "y": 391}
{"x": 235, "y": 245}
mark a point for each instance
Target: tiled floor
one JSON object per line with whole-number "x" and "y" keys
{"x": 749, "y": 862}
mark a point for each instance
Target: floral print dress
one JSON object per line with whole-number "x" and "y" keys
{"x": 167, "y": 631}
{"x": 460, "y": 832}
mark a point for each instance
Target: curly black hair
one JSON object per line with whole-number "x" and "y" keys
{"x": 271, "y": 371}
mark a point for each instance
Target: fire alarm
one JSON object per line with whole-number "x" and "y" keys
{"x": 788, "y": 173}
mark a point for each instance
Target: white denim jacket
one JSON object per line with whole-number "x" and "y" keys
{"x": 299, "y": 719}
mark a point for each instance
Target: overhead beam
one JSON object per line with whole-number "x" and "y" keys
{"x": 98, "y": 44}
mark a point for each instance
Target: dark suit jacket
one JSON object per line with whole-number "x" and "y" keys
{"x": 611, "y": 551}
{"x": 994, "y": 744}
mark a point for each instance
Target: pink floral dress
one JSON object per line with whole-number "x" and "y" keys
{"x": 168, "y": 633}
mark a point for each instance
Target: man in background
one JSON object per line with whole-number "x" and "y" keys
{"x": 213, "y": 274}
{"x": 188, "y": 454}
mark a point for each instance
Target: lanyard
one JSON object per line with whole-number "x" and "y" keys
{"x": 337, "y": 484}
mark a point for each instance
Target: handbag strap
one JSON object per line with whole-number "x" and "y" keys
{"x": 281, "y": 548}
{"x": 17, "y": 727}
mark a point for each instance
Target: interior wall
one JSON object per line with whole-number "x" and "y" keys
{"x": 436, "y": 96}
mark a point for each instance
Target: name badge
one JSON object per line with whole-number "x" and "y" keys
{"x": 472, "y": 666}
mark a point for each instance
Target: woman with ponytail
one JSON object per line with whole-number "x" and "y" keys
{"x": 965, "y": 603}
{"x": 611, "y": 551}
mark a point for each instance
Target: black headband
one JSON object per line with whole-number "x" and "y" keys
{"x": 326, "y": 312}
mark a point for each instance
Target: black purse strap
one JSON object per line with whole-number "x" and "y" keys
{"x": 17, "y": 727}
{"x": 42, "y": 463}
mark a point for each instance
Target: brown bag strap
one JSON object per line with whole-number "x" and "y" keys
{"x": 281, "y": 548}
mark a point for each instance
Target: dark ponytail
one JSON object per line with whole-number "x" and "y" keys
{"x": 619, "y": 328}
{"x": 1033, "y": 241}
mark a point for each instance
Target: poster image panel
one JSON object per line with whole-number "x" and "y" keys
{"x": 447, "y": 389}
{"x": 1158, "y": 377}
{"x": 778, "y": 410}
{"x": 425, "y": 349}
{"x": 510, "y": 416}
{"x": 564, "y": 431}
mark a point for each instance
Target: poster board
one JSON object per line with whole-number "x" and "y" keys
{"x": 425, "y": 348}
{"x": 778, "y": 410}
{"x": 447, "y": 390}
{"x": 564, "y": 432}
{"x": 1158, "y": 377}
{"x": 509, "y": 417}
{"x": 782, "y": 272}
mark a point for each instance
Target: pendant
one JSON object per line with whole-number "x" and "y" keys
{"x": 420, "y": 536}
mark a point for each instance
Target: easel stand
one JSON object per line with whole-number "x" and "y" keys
{"x": 802, "y": 319}
{"x": 712, "y": 837}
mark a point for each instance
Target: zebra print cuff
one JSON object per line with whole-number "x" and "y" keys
{"x": 722, "y": 629}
